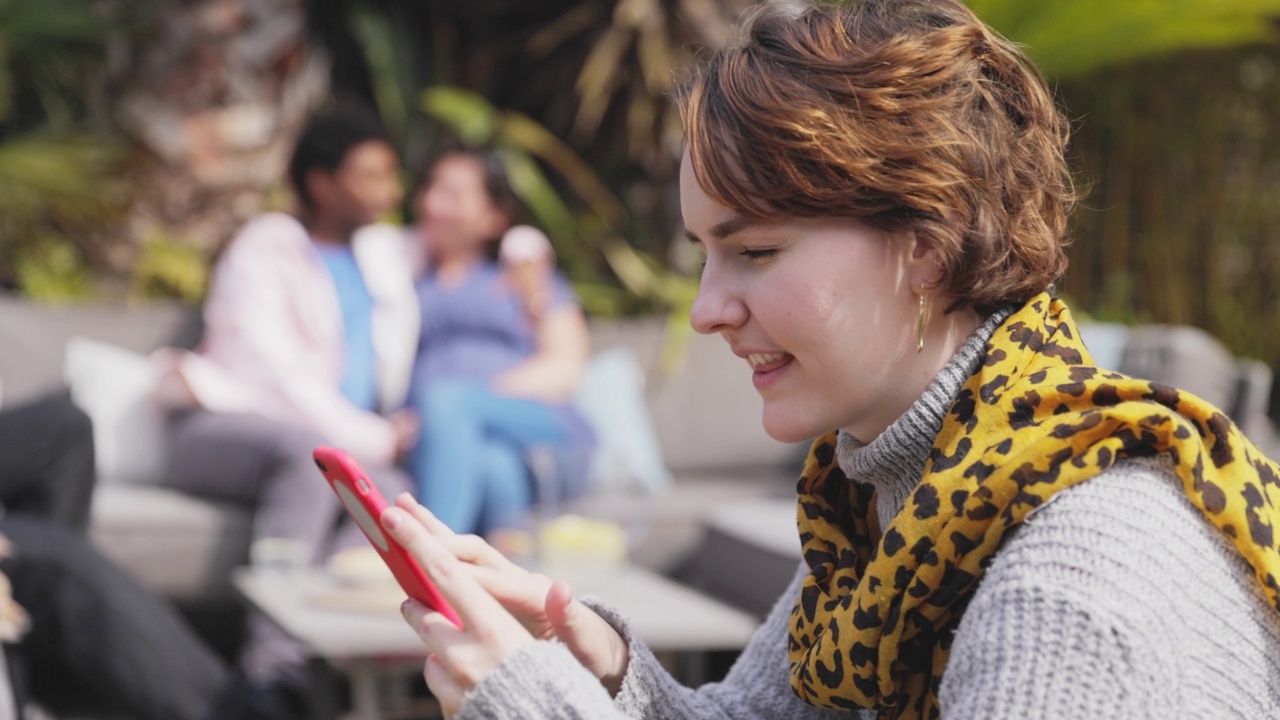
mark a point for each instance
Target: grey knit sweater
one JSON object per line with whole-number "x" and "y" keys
{"x": 1114, "y": 599}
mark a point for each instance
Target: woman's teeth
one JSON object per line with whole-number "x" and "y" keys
{"x": 758, "y": 360}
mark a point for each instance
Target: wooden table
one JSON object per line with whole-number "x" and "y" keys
{"x": 369, "y": 634}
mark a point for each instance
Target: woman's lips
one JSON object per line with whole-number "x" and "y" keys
{"x": 767, "y": 367}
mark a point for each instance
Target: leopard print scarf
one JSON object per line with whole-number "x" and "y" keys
{"x": 874, "y": 621}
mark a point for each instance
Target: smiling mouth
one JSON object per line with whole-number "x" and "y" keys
{"x": 764, "y": 362}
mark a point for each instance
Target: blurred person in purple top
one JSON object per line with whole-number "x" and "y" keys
{"x": 500, "y": 354}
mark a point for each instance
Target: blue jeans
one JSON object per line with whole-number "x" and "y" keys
{"x": 469, "y": 464}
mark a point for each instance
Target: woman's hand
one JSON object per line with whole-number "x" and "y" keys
{"x": 407, "y": 427}
{"x": 546, "y": 610}
{"x": 552, "y": 373}
{"x": 459, "y": 659}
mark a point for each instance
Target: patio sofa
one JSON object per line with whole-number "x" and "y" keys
{"x": 704, "y": 444}
{"x": 701, "y": 490}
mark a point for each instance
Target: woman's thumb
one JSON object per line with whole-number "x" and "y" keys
{"x": 591, "y": 640}
{"x": 571, "y": 622}
{"x": 563, "y": 613}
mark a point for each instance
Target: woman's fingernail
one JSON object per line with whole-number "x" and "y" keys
{"x": 391, "y": 518}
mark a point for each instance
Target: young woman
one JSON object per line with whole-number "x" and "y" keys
{"x": 991, "y": 526}
{"x": 499, "y": 357}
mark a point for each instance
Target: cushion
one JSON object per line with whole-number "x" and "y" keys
{"x": 611, "y": 398}
{"x": 1106, "y": 343}
{"x": 113, "y": 386}
{"x": 33, "y": 337}
{"x": 174, "y": 544}
{"x": 704, "y": 411}
{"x": 1185, "y": 357}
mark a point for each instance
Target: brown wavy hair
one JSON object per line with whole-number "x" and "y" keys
{"x": 907, "y": 114}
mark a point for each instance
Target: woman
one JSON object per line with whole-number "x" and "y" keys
{"x": 499, "y": 356}
{"x": 992, "y": 527}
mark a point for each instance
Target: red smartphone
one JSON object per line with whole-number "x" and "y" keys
{"x": 365, "y": 503}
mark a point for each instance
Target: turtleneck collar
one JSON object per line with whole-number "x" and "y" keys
{"x": 894, "y": 462}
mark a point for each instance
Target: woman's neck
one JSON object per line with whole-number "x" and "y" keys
{"x": 895, "y": 460}
{"x": 943, "y": 338}
{"x": 450, "y": 267}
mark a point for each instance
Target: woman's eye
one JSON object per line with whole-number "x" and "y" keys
{"x": 751, "y": 254}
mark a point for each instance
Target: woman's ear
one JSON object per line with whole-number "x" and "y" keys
{"x": 924, "y": 263}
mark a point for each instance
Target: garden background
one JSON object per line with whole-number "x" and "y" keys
{"x": 135, "y": 137}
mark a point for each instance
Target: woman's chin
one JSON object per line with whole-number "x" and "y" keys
{"x": 788, "y": 430}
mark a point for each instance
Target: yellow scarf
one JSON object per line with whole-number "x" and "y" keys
{"x": 874, "y": 621}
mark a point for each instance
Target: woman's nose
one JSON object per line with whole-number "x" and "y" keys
{"x": 718, "y": 306}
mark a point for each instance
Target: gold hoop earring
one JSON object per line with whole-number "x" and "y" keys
{"x": 924, "y": 317}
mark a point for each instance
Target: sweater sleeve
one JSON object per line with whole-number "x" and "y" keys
{"x": 757, "y": 686}
{"x": 1059, "y": 627}
{"x": 545, "y": 683}
{"x": 542, "y": 680}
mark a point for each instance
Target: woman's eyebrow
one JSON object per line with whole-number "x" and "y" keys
{"x": 720, "y": 231}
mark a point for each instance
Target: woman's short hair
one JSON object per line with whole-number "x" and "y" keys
{"x": 906, "y": 114}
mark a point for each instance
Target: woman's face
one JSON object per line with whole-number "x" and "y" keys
{"x": 455, "y": 209}
{"x": 822, "y": 309}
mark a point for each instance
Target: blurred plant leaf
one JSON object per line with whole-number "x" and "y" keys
{"x": 533, "y": 187}
{"x": 6, "y": 80}
{"x": 1074, "y": 37}
{"x": 375, "y": 34}
{"x": 471, "y": 117}
{"x": 53, "y": 173}
{"x": 628, "y": 54}
{"x": 167, "y": 267}
{"x": 533, "y": 137}
{"x": 33, "y": 27}
{"x": 47, "y": 46}
{"x": 601, "y": 74}
{"x": 50, "y": 270}
{"x": 574, "y": 22}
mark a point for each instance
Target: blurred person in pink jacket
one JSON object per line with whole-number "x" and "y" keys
{"x": 311, "y": 324}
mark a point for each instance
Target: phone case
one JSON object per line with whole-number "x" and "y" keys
{"x": 365, "y": 503}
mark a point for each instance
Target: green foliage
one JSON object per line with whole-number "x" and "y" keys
{"x": 52, "y": 185}
{"x": 380, "y": 43}
{"x": 1070, "y": 38}
{"x": 46, "y": 49}
{"x": 55, "y": 175}
{"x": 1182, "y": 158}
{"x": 44, "y": 174}
{"x": 51, "y": 270}
{"x": 169, "y": 268}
